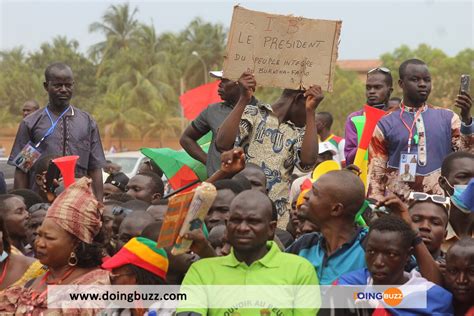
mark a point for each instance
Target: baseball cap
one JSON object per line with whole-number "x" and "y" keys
{"x": 141, "y": 252}
{"x": 119, "y": 179}
{"x": 327, "y": 146}
{"x": 216, "y": 74}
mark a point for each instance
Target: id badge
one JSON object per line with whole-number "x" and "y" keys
{"x": 27, "y": 157}
{"x": 408, "y": 164}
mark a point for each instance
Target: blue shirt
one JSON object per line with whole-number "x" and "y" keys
{"x": 349, "y": 257}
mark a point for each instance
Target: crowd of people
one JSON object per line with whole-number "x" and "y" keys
{"x": 290, "y": 209}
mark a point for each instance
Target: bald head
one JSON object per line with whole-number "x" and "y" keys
{"x": 250, "y": 225}
{"x": 253, "y": 201}
{"x": 346, "y": 188}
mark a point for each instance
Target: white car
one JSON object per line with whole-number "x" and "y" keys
{"x": 130, "y": 161}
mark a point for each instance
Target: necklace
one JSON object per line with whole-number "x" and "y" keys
{"x": 4, "y": 272}
{"x": 44, "y": 279}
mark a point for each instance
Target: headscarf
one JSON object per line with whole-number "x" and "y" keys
{"x": 77, "y": 211}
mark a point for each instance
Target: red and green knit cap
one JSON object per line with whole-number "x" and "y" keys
{"x": 143, "y": 253}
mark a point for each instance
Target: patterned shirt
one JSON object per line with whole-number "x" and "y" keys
{"x": 275, "y": 148}
{"x": 443, "y": 134}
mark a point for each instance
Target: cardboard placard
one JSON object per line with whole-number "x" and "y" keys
{"x": 282, "y": 51}
{"x": 178, "y": 206}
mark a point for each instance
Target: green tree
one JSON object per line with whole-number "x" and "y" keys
{"x": 63, "y": 50}
{"x": 18, "y": 82}
{"x": 208, "y": 41}
{"x": 119, "y": 26}
{"x": 445, "y": 70}
{"x": 160, "y": 123}
{"x": 116, "y": 116}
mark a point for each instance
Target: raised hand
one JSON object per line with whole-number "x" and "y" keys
{"x": 314, "y": 97}
{"x": 247, "y": 84}
{"x": 233, "y": 161}
{"x": 200, "y": 245}
{"x": 396, "y": 206}
{"x": 464, "y": 102}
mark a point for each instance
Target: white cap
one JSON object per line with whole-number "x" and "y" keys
{"x": 327, "y": 146}
{"x": 216, "y": 74}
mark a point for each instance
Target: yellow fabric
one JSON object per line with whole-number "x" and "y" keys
{"x": 300, "y": 199}
{"x": 34, "y": 270}
{"x": 146, "y": 254}
{"x": 323, "y": 168}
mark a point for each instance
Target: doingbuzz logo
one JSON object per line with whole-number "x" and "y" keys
{"x": 391, "y": 296}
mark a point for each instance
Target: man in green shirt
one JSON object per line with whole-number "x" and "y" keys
{"x": 253, "y": 261}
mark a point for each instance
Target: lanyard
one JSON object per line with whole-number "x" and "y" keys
{"x": 410, "y": 129}
{"x": 53, "y": 125}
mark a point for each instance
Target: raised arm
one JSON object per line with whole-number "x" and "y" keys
{"x": 232, "y": 162}
{"x": 230, "y": 128}
{"x": 189, "y": 143}
{"x": 309, "y": 147}
{"x": 462, "y": 129}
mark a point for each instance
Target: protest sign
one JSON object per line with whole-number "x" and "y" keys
{"x": 178, "y": 206}
{"x": 282, "y": 51}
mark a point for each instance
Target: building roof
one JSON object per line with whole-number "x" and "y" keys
{"x": 359, "y": 65}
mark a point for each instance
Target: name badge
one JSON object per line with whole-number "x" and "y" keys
{"x": 27, "y": 157}
{"x": 407, "y": 169}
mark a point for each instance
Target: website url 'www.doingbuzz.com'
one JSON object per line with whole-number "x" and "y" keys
{"x": 129, "y": 297}
{"x": 233, "y": 296}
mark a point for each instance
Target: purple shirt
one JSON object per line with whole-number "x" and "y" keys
{"x": 80, "y": 137}
{"x": 350, "y": 148}
{"x": 438, "y": 130}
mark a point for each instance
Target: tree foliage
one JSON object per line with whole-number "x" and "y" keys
{"x": 132, "y": 78}
{"x": 445, "y": 70}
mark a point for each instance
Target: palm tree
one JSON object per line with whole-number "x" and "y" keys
{"x": 160, "y": 123}
{"x": 117, "y": 117}
{"x": 18, "y": 80}
{"x": 118, "y": 26}
{"x": 208, "y": 40}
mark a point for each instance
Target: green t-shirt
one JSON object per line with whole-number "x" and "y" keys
{"x": 275, "y": 268}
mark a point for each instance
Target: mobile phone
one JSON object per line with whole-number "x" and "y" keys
{"x": 51, "y": 174}
{"x": 382, "y": 209}
{"x": 465, "y": 82}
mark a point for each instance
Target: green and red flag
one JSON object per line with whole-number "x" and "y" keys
{"x": 178, "y": 166}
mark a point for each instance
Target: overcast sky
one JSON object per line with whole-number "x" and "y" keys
{"x": 369, "y": 28}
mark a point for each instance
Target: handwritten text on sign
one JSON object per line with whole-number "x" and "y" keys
{"x": 282, "y": 51}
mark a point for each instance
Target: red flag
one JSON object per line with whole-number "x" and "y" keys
{"x": 196, "y": 100}
{"x": 184, "y": 176}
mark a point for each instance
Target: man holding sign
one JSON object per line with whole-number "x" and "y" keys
{"x": 276, "y": 137}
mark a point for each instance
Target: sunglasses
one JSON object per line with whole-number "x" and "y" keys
{"x": 438, "y": 199}
{"x": 119, "y": 210}
{"x": 382, "y": 69}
